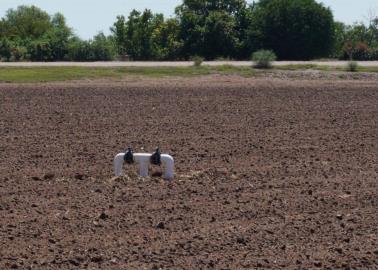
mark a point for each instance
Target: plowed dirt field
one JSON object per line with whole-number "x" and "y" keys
{"x": 270, "y": 174}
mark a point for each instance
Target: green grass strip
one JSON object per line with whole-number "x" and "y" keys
{"x": 50, "y": 74}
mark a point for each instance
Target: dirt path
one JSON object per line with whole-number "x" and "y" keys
{"x": 271, "y": 173}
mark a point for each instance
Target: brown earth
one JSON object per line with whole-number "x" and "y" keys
{"x": 271, "y": 174}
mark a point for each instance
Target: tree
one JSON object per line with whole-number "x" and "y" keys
{"x": 165, "y": 40}
{"x": 361, "y": 41}
{"x": 340, "y": 36}
{"x": 293, "y": 29}
{"x": 372, "y": 28}
{"x": 25, "y": 22}
{"x": 140, "y": 28}
{"x": 211, "y": 28}
{"x": 119, "y": 33}
{"x": 58, "y": 37}
{"x": 43, "y": 37}
{"x": 142, "y": 35}
{"x": 103, "y": 48}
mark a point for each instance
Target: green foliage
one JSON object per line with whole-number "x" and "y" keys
{"x": 28, "y": 33}
{"x": 211, "y": 28}
{"x": 19, "y": 53}
{"x": 140, "y": 28}
{"x": 167, "y": 45}
{"x": 294, "y": 29}
{"x": 352, "y": 66}
{"x": 39, "y": 50}
{"x": 146, "y": 36}
{"x": 373, "y": 32}
{"x": 79, "y": 50}
{"x": 34, "y": 35}
{"x": 360, "y": 42}
{"x": 25, "y": 22}
{"x": 103, "y": 48}
{"x": 361, "y": 51}
{"x": 263, "y": 59}
{"x": 197, "y": 60}
{"x": 58, "y": 37}
{"x": 5, "y": 49}
{"x": 339, "y": 39}
{"x": 119, "y": 34}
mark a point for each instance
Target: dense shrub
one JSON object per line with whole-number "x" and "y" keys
{"x": 19, "y": 53}
{"x": 5, "y": 49}
{"x": 352, "y": 66}
{"x": 373, "y": 54}
{"x": 263, "y": 58}
{"x": 197, "y": 60}
{"x": 359, "y": 51}
{"x": 103, "y": 48}
{"x": 39, "y": 50}
{"x": 79, "y": 50}
{"x": 357, "y": 41}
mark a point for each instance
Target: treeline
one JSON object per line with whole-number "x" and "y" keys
{"x": 212, "y": 29}
{"x": 30, "y": 34}
{"x": 358, "y": 41}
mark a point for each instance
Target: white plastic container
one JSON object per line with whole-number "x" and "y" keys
{"x": 143, "y": 160}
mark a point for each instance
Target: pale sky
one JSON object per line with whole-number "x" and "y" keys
{"x": 88, "y": 17}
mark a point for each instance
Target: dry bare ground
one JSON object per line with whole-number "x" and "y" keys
{"x": 271, "y": 174}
